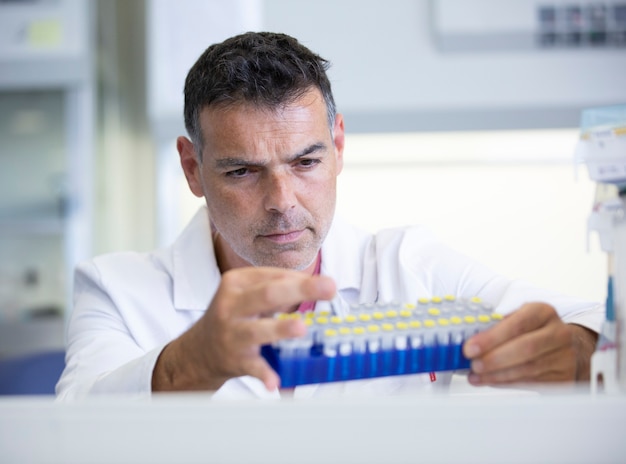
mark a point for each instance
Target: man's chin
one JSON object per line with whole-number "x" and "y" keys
{"x": 287, "y": 260}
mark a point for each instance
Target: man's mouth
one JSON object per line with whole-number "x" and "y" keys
{"x": 284, "y": 237}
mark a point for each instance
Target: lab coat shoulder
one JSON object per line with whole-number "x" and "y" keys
{"x": 411, "y": 262}
{"x": 122, "y": 317}
{"x": 135, "y": 289}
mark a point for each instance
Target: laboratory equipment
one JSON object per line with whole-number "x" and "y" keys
{"x": 380, "y": 339}
{"x": 602, "y": 148}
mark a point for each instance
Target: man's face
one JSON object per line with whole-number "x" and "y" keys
{"x": 269, "y": 180}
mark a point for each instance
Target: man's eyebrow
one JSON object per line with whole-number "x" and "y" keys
{"x": 230, "y": 162}
{"x": 319, "y": 146}
{"x": 235, "y": 162}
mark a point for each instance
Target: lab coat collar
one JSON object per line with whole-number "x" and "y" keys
{"x": 196, "y": 275}
{"x": 343, "y": 254}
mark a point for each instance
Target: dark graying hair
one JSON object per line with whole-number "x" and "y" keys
{"x": 263, "y": 68}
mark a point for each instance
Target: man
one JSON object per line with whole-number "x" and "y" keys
{"x": 265, "y": 149}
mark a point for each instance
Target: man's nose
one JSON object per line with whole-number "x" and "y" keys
{"x": 279, "y": 193}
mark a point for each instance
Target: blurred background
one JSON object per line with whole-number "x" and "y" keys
{"x": 460, "y": 114}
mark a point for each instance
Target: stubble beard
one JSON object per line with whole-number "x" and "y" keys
{"x": 294, "y": 255}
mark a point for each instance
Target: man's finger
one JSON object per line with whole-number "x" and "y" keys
{"x": 245, "y": 277}
{"x": 556, "y": 366}
{"x": 266, "y": 330}
{"x": 524, "y": 348}
{"x": 259, "y": 368}
{"x": 528, "y": 318}
{"x": 280, "y": 294}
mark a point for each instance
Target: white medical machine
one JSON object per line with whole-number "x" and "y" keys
{"x": 602, "y": 148}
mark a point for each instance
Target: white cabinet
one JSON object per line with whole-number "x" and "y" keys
{"x": 46, "y": 129}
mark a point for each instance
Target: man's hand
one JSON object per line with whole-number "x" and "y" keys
{"x": 225, "y": 342}
{"x": 530, "y": 345}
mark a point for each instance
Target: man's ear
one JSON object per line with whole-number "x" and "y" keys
{"x": 190, "y": 164}
{"x": 339, "y": 141}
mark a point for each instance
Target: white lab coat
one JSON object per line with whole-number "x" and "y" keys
{"x": 128, "y": 306}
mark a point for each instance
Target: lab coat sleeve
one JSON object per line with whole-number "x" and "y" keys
{"x": 102, "y": 355}
{"x": 447, "y": 271}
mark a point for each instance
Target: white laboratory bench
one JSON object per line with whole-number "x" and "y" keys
{"x": 188, "y": 428}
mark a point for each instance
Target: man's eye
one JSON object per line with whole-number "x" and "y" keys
{"x": 237, "y": 172}
{"x": 308, "y": 162}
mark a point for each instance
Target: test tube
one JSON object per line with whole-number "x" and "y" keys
{"x": 359, "y": 342}
{"x": 387, "y": 344}
{"x": 401, "y": 344}
{"x": 378, "y": 316}
{"x": 345, "y": 352}
{"x": 487, "y": 308}
{"x": 359, "y": 348}
{"x": 373, "y": 347}
{"x": 433, "y": 312}
{"x": 443, "y": 351}
{"x": 416, "y": 339}
{"x": 364, "y": 320}
{"x": 473, "y": 304}
{"x": 355, "y": 309}
{"x": 373, "y": 338}
{"x": 345, "y": 341}
{"x": 288, "y": 347}
{"x": 317, "y": 329}
{"x": 395, "y": 304}
{"x": 416, "y": 343}
{"x": 449, "y": 304}
{"x": 456, "y": 332}
{"x": 471, "y": 326}
{"x": 391, "y": 313}
{"x": 443, "y": 331}
{"x": 410, "y": 307}
{"x": 304, "y": 344}
{"x": 429, "y": 332}
{"x": 421, "y": 307}
{"x": 484, "y": 322}
{"x": 456, "y": 341}
{"x": 368, "y": 307}
{"x": 381, "y": 305}
{"x": 405, "y": 315}
{"x": 387, "y": 336}
{"x": 436, "y": 300}
{"x": 400, "y": 340}
{"x": 330, "y": 341}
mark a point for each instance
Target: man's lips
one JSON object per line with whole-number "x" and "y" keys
{"x": 284, "y": 237}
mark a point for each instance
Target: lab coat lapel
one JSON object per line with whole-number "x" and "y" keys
{"x": 345, "y": 253}
{"x": 195, "y": 272}
{"x": 395, "y": 253}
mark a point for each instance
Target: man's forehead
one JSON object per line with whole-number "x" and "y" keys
{"x": 248, "y": 126}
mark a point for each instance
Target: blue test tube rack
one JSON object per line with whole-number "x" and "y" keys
{"x": 380, "y": 340}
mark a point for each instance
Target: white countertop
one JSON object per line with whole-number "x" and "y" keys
{"x": 563, "y": 427}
